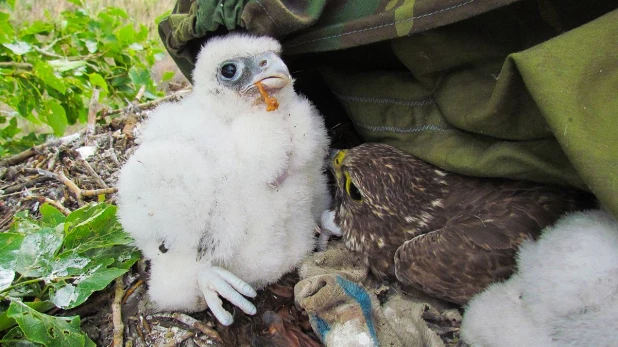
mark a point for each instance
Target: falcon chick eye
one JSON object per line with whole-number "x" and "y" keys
{"x": 228, "y": 71}
{"x": 352, "y": 190}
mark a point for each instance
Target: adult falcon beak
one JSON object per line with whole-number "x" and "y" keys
{"x": 272, "y": 72}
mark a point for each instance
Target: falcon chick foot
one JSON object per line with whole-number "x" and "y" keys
{"x": 328, "y": 228}
{"x": 214, "y": 281}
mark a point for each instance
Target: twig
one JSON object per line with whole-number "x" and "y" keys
{"x": 54, "y": 203}
{"x": 139, "y": 95}
{"x": 68, "y": 58}
{"x": 60, "y": 176}
{"x": 93, "y": 173}
{"x": 116, "y": 314}
{"x": 130, "y": 291}
{"x": 19, "y": 157}
{"x": 96, "y": 192}
{"x": 93, "y": 108}
{"x": 17, "y": 188}
{"x": 25, "y": 66}
{"x": 153, "y": 103}
{"x": 199, "y": 343}
{"x": 192, "y": 322}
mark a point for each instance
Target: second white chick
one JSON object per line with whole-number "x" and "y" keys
{"x": 223, "y": 196}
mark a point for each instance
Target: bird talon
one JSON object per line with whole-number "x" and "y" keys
{"x": 214, "y": 282}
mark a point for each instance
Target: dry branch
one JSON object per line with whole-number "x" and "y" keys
{"x": 93, "y": 108}
{"x": 116, "y": 314}
{"x": 151, "y": 104}
{"x": 19, "y": 157}
{"x": 54, "y": 203}
{"x": 93, "y": 173}
{"x": 25, "y": 66}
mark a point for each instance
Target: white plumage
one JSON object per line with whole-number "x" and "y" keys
{"x": 221, "y": 187}
{"x": 565, "y": 292}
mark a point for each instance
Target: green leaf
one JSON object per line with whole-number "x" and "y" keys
{"x": 35, "y": 257}
{"x": 41, "y": 306}
{"x": 47, "y": 330}
{"x": 126, "y": 34}
{"x": 56, "y": 117}
{"x": 69, "y": 295}
{"x": 45, "y": 72}
{"x": 6, "y": 29}
{"x": 9, "y": 243}
{"x": 37, "y": 27}
{"x": 98, "y": 81}
{"x": 76, "y": 2}
{"x": 93, "y": 46}
{"x": 19, "y": 47}
{"x": 140, "y": 77}
{"x": 62, "y": 65}
{"x": 50, "y": 216}
{"x": 167, "y": 76}
{"x": 94, "y": 226}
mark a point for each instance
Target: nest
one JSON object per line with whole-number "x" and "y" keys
{"x": 74, "y": 170}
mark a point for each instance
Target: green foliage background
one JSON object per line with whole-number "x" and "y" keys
{"x": 49, "y": 69}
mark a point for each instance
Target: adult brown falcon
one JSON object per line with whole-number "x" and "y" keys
{"x": 446, "y": 234}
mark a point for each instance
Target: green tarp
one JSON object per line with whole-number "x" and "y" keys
{"x": 525, "y": 89}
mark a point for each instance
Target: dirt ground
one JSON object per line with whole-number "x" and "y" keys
{"x": 56, "y": 173}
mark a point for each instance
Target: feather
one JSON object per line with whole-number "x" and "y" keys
{"x": 201, "y": 182}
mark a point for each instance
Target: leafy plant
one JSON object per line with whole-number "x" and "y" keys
{"x": 59, "y": 262}
{"x": 49, "y": 69}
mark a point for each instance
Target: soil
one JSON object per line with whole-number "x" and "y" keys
{"x": 56, "y": 173}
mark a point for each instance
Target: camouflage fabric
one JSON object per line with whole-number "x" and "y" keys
{"x": 309, "y": 26}
{"x": 524, "y": 91}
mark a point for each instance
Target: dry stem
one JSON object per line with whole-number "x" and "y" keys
{"x": 153, "y": 103}
{"x": 116, "y": 313}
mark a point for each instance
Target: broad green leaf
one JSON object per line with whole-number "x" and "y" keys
{"x": 47, "y": 330}
{"x": 46, "y": 73}
{"x": 19, "y": 47}
{"x": 56, "y": 117}
{"x": 37, "y": 27}
{"x": 6, "y": 29}
{"x": 117, "y": 12}
{"x": 9, "y": 243}
{"x": 50, "y": 216}
{"x": 35, "y": 257}
{"x": 62, "y": 65}
{"x": 126, "y": 34}
{"x": 94, "y": 226}
{"x": 140, "y": 77}
{"x": 6, "y": 278}
{"x": 72, "y": 295}
{"x": 41, "y": 306}
{"x": 98, "y": 81}
{"x": 76, "y": 2}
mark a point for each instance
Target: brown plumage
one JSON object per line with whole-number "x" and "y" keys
{"x": 446, "y": 234}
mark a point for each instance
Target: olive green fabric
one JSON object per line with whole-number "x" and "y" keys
{"x": 518, "y": 89}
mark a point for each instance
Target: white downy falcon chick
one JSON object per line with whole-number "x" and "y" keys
{"x": 222, "y": 195}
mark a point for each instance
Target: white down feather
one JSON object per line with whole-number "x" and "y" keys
{"x": 203, "y": 173}
{"x": 565, "y": 292}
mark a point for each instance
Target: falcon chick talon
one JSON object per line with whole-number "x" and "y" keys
{"x": 328, "y": 223}
{"x": 214, "y": 282}
{"x": 328, "y": 228}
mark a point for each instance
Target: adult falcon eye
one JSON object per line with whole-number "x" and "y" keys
{"x": 228, "y": 70}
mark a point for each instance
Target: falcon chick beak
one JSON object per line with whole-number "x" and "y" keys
{"x": 272, "y": 72}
